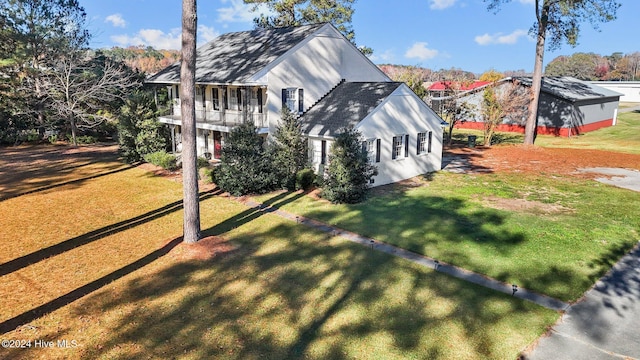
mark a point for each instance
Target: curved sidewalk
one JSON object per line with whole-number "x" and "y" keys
{"x": 426, "y": 261}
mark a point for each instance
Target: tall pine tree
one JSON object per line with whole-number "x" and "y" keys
{"x": 191, "y": 217}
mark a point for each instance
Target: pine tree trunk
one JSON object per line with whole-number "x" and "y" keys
{"x": 189, "y": 155}
{"x": 536, "y": 82}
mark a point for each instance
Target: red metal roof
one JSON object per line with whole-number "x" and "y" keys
{"x": 450, "y": 85}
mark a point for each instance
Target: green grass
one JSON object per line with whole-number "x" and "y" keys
{"x": 569, "y": 232}
{"x": 623, "y": 137}
{"x": 284, "y": 291}
{"x": 291, "y": 292}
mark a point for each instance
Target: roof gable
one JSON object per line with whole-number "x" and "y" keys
{"x": 346, "y": 105}
{"x": 235, "y": 57}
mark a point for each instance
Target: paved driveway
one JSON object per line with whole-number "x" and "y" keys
{"x": 605, "y": 324}
{"x": 624, "y": 178}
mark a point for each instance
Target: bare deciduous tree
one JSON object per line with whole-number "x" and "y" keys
{"x": 449, "y": 105}
{"x": 509, "y": 100}
{"x": 42, "y": 30}
{"x": 79, "y": 86}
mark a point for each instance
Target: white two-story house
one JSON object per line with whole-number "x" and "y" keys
{"x": 251, "y": 75}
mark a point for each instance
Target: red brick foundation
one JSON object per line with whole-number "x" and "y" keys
{"x": 542, "y": 130}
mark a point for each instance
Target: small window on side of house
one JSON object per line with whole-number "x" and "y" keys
{"x": 370, "y": 147}
{"x": 422, "y": 143}
{"x": 323, "y": 152}
{"x": 396, "y": 146}
{"x": 293, "y": 98}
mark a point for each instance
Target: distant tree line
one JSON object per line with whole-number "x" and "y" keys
{"x": 593, "y": 67}
{"x": 144, "y": 59}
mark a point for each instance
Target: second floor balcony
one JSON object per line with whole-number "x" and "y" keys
{"x": 222, "y": 105}
{"x": 215, "y": 117}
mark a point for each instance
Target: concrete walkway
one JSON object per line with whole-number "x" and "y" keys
{"x": 624, "y": 178}
{"x": 629, "y": 109}
{"x": 442, "y": 267}
{"x": 605, "y": 324}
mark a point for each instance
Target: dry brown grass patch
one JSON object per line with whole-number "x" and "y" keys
{"x": 205, "y": 249}
{"x": 523, "y": 205}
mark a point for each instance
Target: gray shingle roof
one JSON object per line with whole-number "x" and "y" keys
{"x": 235, "y": 57}
{"x": 347, "y": 104}
{"x": 570, "y": 88}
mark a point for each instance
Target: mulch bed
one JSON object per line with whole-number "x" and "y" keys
{"x": 537, "y": 160}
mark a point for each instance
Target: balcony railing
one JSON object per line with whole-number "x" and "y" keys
{"x": 227, "y": 118}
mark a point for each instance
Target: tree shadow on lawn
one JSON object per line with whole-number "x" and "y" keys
{"x": 460, "y": 159}
{"x": 617, "y": 291}
{"x": 47, "y": 184}
{"x": 453, "y": 231}
{"x": 24, "y": 261}
{"x": 303, "y": 298}
{"x": 37, "y": 168}
{"x": 417, "y": 223}
{"x": 70, "y": 244}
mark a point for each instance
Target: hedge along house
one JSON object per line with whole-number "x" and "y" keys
{"x": 250, "y": 75}
{"x": 567, "y": 107}
{"x": 402, "y": 135}
{"x": 313, "y": 69}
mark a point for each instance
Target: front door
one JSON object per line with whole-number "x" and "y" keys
{"x": 217, "y": 144}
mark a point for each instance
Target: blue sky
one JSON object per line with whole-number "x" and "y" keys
{"x": 429, "y": 33}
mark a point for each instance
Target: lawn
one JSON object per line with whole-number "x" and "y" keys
{"x": 550, "y": 233}
{"x": 98, "y": 263}
{"x": 620, "y": 138}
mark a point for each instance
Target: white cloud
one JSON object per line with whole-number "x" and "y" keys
{"x": 420, "y": 51}
{"x": 441, "y": 4}
{"x": 238, "y": 11}
{"x": 500, "y": 38}
{"x": 206, "y": 34}
{"x": 158, "y": 39}
{"x": 384, "y": 57}
{"x": 116, "y": 20}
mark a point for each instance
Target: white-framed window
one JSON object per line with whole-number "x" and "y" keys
{"x": 256, "y": 100}
{"x": 174, "y": 93}
{"x": 293, "y": 98}
{"x": 234, "y": 96}
{"x": 215, "y": 98}
{"x": 323, "y": 152}
{"x": 200, "y": 95}
{"x": 400, "y": 143}
{"x": 372, "y": 148}
{"x": 424, "y": 142}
